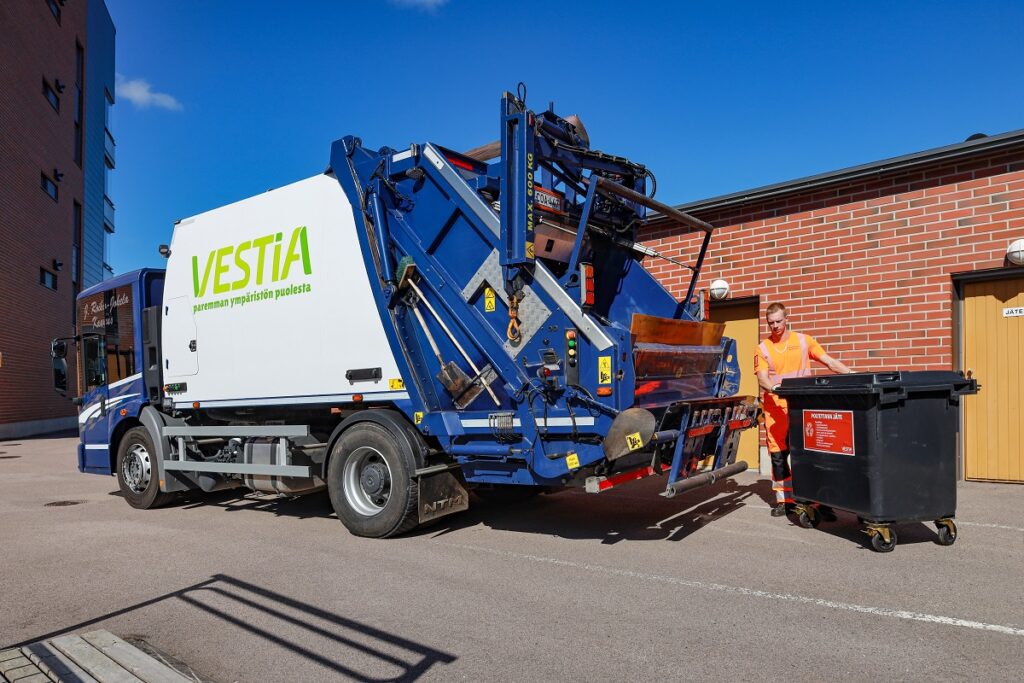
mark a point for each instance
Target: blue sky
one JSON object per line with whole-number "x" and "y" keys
{"x": 221, "y": 100}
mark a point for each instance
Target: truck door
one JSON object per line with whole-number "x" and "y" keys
{"x": 92, "y": 419}
{"x": 181, "y": 355}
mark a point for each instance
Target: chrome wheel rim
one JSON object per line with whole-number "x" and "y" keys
{"x": 136, "y": 469}
{"x": 367, "y": 481}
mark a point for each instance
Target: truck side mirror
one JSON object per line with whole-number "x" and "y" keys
{"x": 58, "y": 348}
{"x": 60, "y": 375}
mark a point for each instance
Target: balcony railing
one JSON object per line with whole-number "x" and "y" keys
{"x": 108, "y": 148}
{"x": 108, "y": 214}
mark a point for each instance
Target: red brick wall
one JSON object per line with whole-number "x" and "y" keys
{"x": 865, "y": 266}
{"x": 35, "y": 230}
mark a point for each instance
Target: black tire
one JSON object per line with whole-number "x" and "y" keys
{"x": 879, "y": 544}
{"x": 137, "y": 474}
{"x": 370, "y": 482}
{"x": 947, "y": 534}
{"x": 809, "y": 521}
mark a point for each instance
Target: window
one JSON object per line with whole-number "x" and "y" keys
{"x": 51, "y": 95}
{"x": 54, "y": 9}
{"x": 108, "y": 319}
{"x": 94, "y": 362}
{"x": 49, "y": 187}
{"x": 47, "y": 279}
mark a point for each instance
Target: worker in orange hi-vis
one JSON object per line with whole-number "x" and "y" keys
{"x": 784, "y": 354}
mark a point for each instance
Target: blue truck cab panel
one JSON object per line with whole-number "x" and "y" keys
{"x": 110, "y": 362}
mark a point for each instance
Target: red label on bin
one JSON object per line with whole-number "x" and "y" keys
{"x": 829, "y": 431}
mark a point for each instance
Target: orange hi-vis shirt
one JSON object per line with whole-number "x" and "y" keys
{"x": 791, "y": 358}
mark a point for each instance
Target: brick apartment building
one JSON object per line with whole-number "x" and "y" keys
{"x": 56, "y": 85}
{"x": 897, "y": 264}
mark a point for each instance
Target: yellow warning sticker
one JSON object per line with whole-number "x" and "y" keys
{"x": 634, "y": 441}
{"x": 604, "y": 370}
{"x": 417, "y": 418}
{"x": 572, "y": 461}
{"x": 529, "y": 250}
{"x": 488, "y": 300}
{"x": 396, "y": 384}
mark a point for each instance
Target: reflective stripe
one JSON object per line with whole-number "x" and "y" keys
{"x": 805, "y": 360}
{"x": 783, "y": 490}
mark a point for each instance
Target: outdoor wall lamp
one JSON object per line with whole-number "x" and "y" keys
{"x": 719, "y": 289}
{"x": 1015, "y": 252}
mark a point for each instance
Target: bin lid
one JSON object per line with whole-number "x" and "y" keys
{"x": 904, "y": 381}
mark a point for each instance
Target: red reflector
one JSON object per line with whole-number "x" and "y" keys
{"x": 546, "y": 372}
{"x": 455, "y": 161}
{"x": 739, "y": 424}
{"x": 357, "y": 397}
{"x": 701, "y": 431}
{"x": 616, "y": 479}
{"x": 196, "y": 404}
{"x": 604, "y": 391}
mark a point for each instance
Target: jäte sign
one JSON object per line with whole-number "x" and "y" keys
{"x": 251, "y": 263}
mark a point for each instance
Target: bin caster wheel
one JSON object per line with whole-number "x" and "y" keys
{"x": 880, "y": 544}
{"x": 947, "y": 531}
{"x": 809, "y": 518}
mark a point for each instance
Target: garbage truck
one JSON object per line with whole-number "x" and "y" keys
{"x": 410, "y": 325}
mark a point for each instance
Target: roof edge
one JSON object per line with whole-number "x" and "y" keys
{"x": 900, "y": 163}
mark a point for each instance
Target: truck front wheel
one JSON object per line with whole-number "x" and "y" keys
{"x": 370, "y": 482}
{"x": 137, "y": 474}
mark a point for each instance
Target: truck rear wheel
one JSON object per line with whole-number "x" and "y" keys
{"x": 137, "y": 474}
{"x": 370, "y": 482}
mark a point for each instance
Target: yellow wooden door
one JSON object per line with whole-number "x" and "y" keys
{"x": 741, "y": 324}
{"x": 994, "y": 352}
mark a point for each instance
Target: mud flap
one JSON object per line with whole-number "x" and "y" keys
{"x": 439, "y": 495}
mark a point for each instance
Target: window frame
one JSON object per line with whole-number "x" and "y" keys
{"x": 101, "y": 360}
{"x": 46, "y": 183}
{"x": 46, "y": 274}
{"x": 54, "y": 9}
{"x": 50, "y": 93}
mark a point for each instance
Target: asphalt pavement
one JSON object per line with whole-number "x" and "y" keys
{"x": 623, "y": 585}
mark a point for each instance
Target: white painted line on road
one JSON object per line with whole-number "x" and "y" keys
{"x": 989, "y": 526}
{"x": 739, "y": 590}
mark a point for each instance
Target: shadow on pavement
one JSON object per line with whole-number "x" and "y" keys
{"x": 633, "y": 513}
{"x": 244, "y": 605}
{"x": 637, "y": 513}
{"x": 849, "y": 528}
{"x": 62, "y": 434}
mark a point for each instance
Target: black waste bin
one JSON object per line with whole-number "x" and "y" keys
{"x": 881, "y": 445}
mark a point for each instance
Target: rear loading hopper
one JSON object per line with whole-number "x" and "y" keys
{"x": 535, "y": 347}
